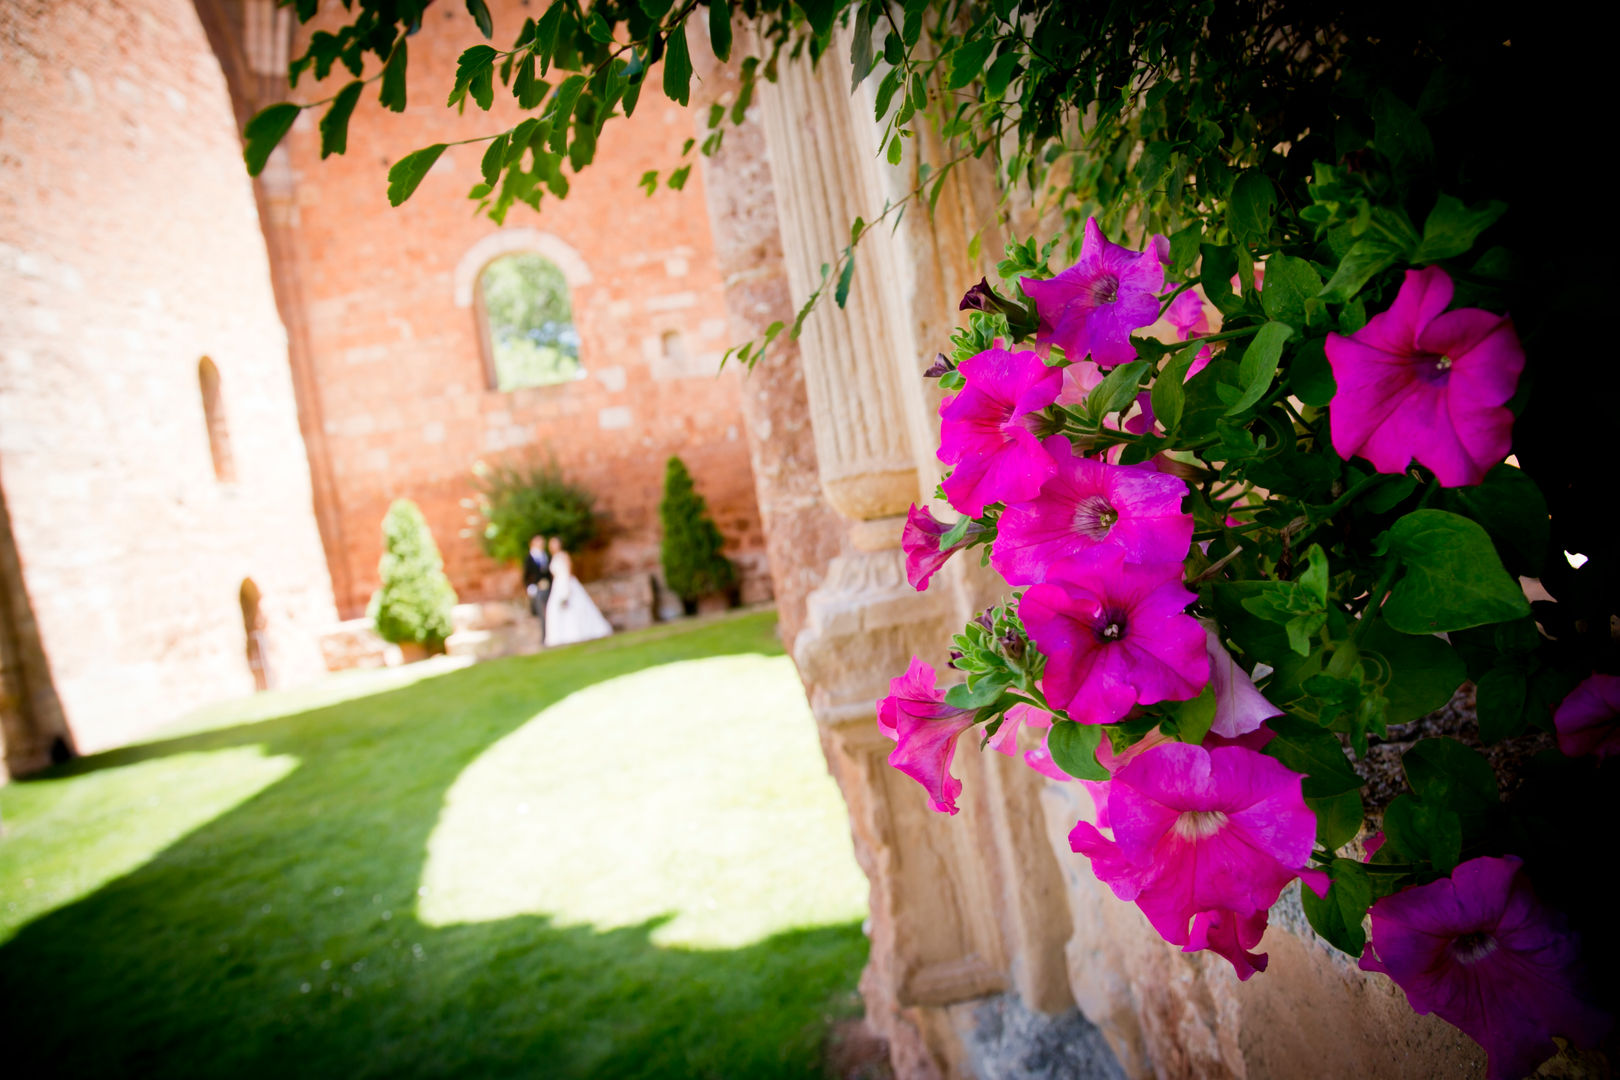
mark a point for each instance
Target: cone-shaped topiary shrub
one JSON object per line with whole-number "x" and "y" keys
{"x": 693, "y": 564}
{"x": 414, "y": 601}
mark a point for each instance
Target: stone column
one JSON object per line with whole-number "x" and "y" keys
{"x": 33, "y": 729}
{"x": 936, "y": 881}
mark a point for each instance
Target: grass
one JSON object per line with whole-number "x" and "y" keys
{"x": 623, "y": 859}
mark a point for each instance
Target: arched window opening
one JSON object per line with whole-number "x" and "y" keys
{"x": 253, "y": 624}
{"x": 219, "y": 434}
{"x": 527, "y": 323}
{"x": 675, "y": 349}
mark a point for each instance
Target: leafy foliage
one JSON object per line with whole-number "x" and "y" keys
{"x": 413, "y": 601}
{"x": 693, "y": 563}
{"x": 530, "y": 321}
{"x": 520, "y": 499}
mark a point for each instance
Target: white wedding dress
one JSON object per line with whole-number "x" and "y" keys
{"x": 570, "y": 614}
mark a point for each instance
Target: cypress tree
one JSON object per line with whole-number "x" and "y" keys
{"x": 693, "y": 564}
{"x": 414, "y": 601}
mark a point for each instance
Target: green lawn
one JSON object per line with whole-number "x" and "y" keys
{"x": 623, "y": 859}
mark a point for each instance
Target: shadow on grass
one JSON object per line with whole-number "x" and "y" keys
{"x": 281, "y": 938}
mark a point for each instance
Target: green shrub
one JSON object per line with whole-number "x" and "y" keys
{"x": 519, "y": 499}
{"x": 693, "y": 564}
{"x": 414, "y": 601}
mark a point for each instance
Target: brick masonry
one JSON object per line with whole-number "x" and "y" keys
{"x": 130, "y": 248}
{"x": 395, "y": 346}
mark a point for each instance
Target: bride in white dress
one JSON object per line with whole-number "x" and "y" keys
{"x": 570, "y": 614}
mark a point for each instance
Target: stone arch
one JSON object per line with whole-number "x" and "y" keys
{"x": 219, "y": 432}
{"x": 253, "y": 626}
{"x": 511, "y": 241}
{"x": 523, "y": 307}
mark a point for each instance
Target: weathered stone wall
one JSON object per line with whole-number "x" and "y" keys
{"x": 130, "y": 249}
{"x": 394, "y": 341}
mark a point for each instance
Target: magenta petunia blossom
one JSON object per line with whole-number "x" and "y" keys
{"x": 987, "y": 431}
{"x": 1085, "y": 503}
{"x": 1214, "y": 833}
{"x": 1239, "y": 707}
{"x": 1588, "y": 720}
{"x": 1115, "y": 634}
{"x": 1005, "y": 740}
{"x": 1482, "y": 953}
{"x": 920, "y": 540}
{"x": 1421, "y": 382}
{"x": 925, "y": 730}
{"x": 1092, "y": 307}
{"x": 1187, "y": 315}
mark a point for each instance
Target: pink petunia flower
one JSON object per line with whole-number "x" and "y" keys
{"x": 1187, "y": 315}
{"x": 1115, "y": 634}
{"x": 1421, "y": 382}
{"x": 925, "y": 730}
{"x": 1204, "y": 843}
{"x": 1080, "y": 378}
{"x": 920, "y": 540}
{"x": 1005, "y": 740}
{"x": 1092, "y": 307}
{"x": 987, "y": 431}
{"x": 1482, "y": 953}
{"x": 1239, "y": 706}
{"x": 1588, "y": 720}
{"x": 1086, "y": 503}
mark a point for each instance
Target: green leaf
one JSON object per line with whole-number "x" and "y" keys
{"x": 1451, "y": 228}
{"x": 1421, "y": 833}
{"x": 1252, "y": 207}
{"x": 911, "y": 27}
{"x": 1314, "y": 752}
{"x": 1338, "y": 818}
{"x": 720, "y": 28}
{"x": 860, "y": 47}
{"x": 967, "y": 62}
{"x": 480, "y": 13}
{"x": 264, "y": 131}
{"x": 1117, "y": 390}
{"x": 1510, "y": 506}
{"x": 1184, "y": 247}
{"x": 1001, "y": 74}
{"x": 562, "y": 107}
{"x": 896, "y": 148}
{"x": 475, "y": 75}
{"x": 1259, "y": 364}
{"x": 1169, "y": 393}
{"x": 1150, "y": 167}
{"x": 1400, "y": 135}
{"x": 1424, "y": 671}
{"x": 392, "y": 95}
{"x": 1444, "y": 772}
{"x": 841, "y": 293}
{"x": 1453, "y": 577}
{"x": 1499, "y": 699}
{"x": 1310, "y": 376}
{"x": 1338, "y": 916}
{"x": 677, "y": 179}
{"x": 961, "y": 696}
{"x": 1289, "y": 283}
{"x": 820, "y": 15}
{"x": 1367, "y": 257}
{"x": 597, "y": 28}
{"x": 409, "y": 170}
{"x": 529, "y": 90}
{"x": 1074, "y": 749}
{"x": 335, "y": 124}
{"x": 545, "y": 33}
{"x": 494, "y": 160}
{"x": 1194, "y": 717}
{"x": 677, "y": 67}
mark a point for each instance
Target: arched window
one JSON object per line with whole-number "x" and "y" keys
{"x": 527, "y": 321}
{"x": 253, "y": 624}
{"x": 219, "y": 434}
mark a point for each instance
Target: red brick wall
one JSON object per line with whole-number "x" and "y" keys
{"x": 396, "y": 351}
{"x": 130, "y": 248}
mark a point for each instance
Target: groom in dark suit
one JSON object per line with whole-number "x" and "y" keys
{"x": 537, "y": 579}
